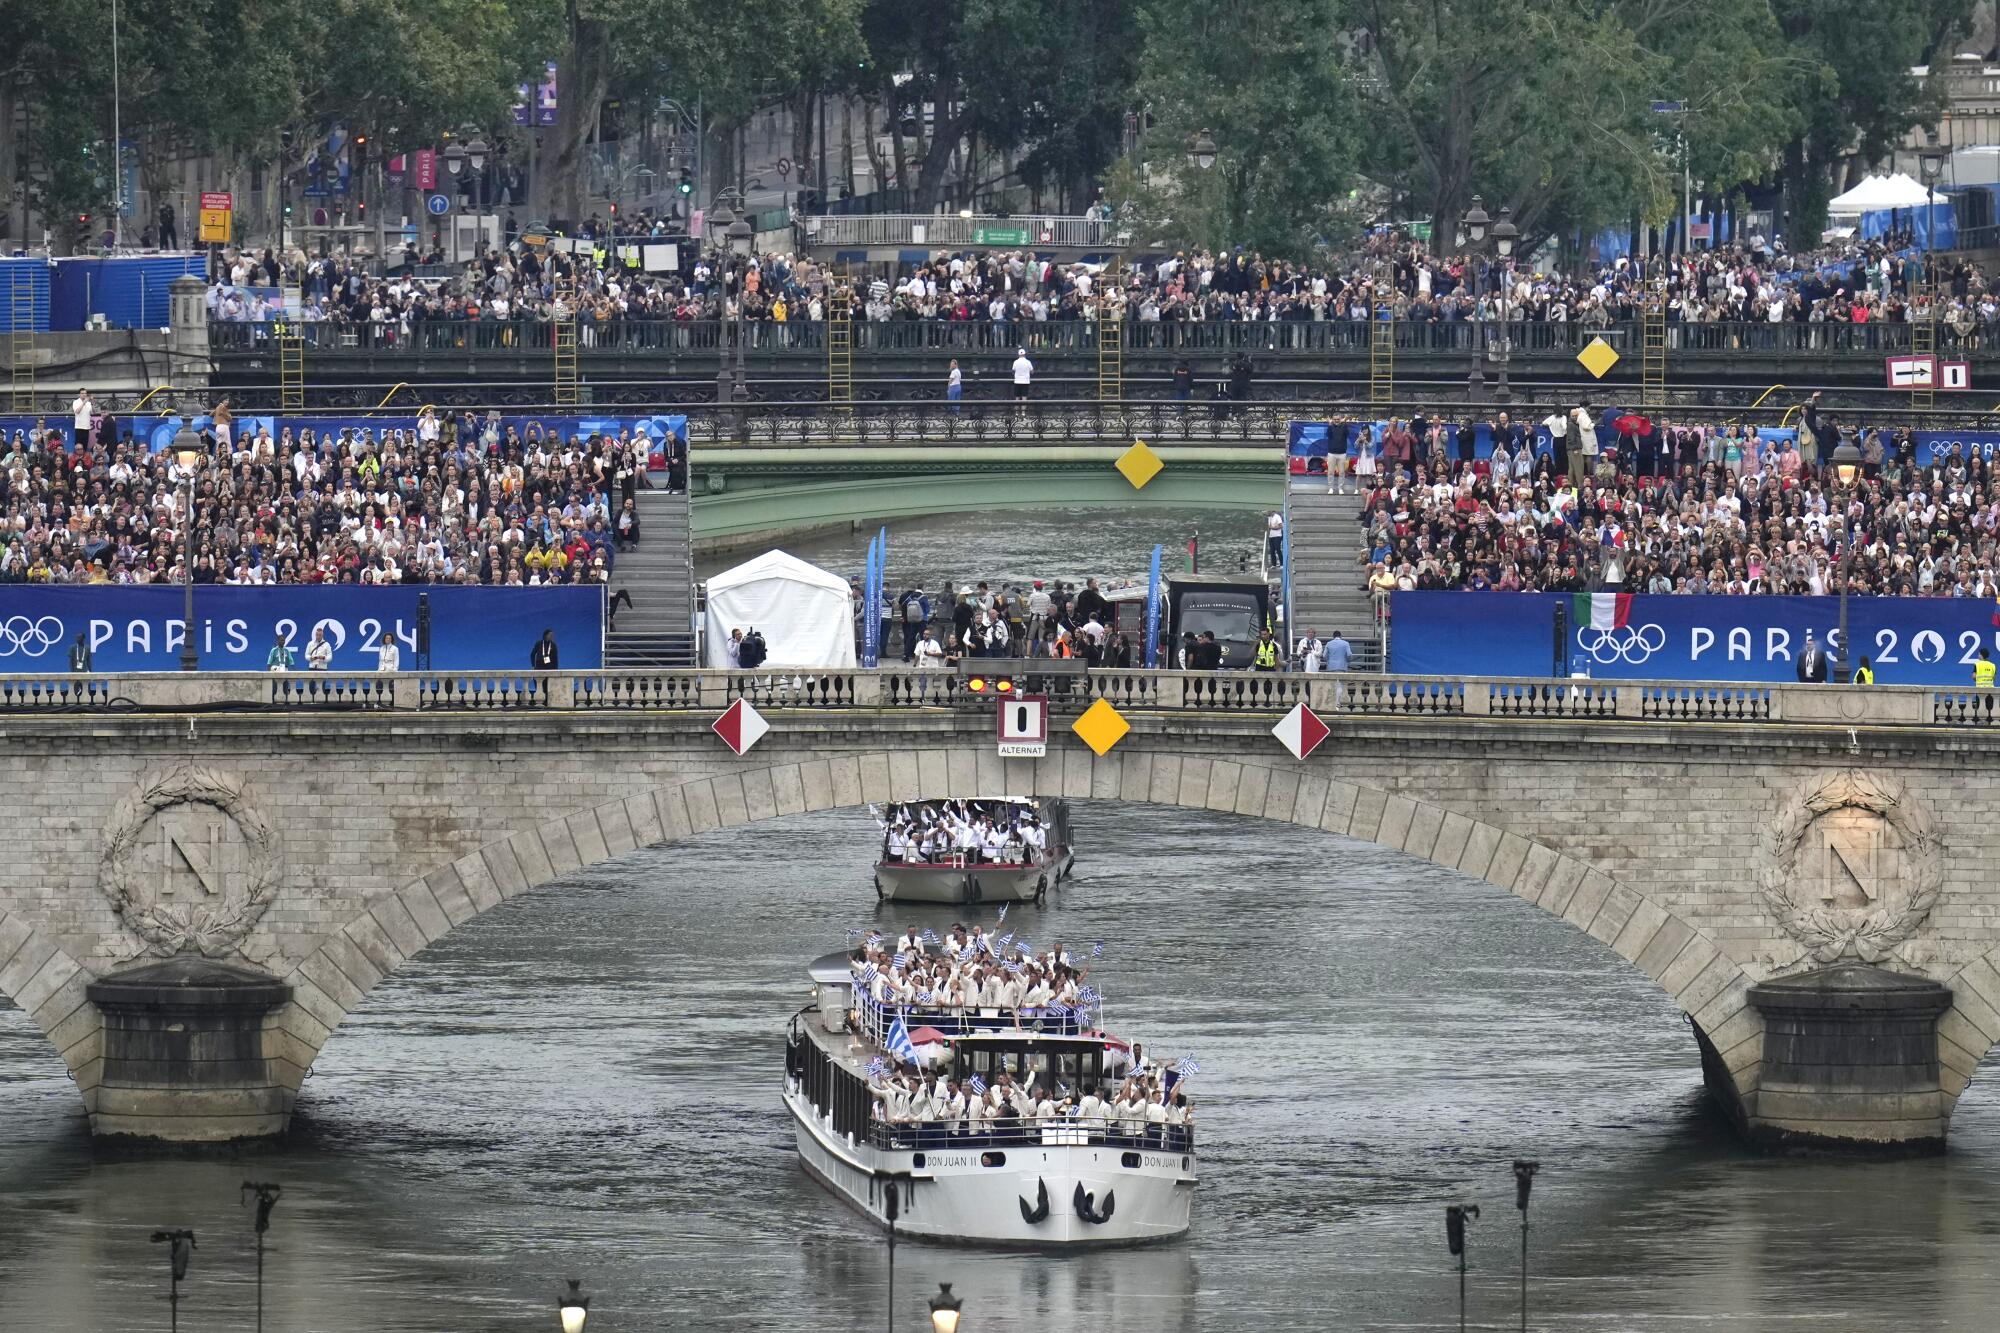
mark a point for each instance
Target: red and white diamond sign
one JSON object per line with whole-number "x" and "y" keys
{"x": 1301, "y": 731}
{"x": 741, "y": 726}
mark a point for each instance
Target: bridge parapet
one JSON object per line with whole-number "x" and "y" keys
{"x": 906, "y": 691}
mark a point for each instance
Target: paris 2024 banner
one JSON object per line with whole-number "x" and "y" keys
{"x": 1908, "y": 640}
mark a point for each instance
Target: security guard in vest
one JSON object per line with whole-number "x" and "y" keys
{"x": 1267, "y": 653}
{"x": 1982, "y": 671}
{"x": 1864, "y": 674}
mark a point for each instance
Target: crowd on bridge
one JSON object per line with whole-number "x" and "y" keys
{"x": 1051, "y": 619}
{"x": 1754, "y": 294}
{"x": 450, "y": 498}
{"x": 1674, "y": 506}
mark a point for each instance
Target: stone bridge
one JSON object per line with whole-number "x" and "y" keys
{"x": 211, "y": 872}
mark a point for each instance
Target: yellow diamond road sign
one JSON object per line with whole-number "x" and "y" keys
{"x": 1598, "y": 357}
{"x": 1101, "y": 727}
{"x": 1139, "y": 465}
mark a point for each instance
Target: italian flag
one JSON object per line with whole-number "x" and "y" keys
{"x": 1601, "y": 610}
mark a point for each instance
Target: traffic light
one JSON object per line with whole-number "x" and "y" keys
{"x": 361, "y": 140}
{"x": 614, "y": 210}
{"x": 288, "y": 208}
{"x": 687, "y": 181}
{"x": 361, "y": 206}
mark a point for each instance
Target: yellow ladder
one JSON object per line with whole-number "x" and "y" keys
{"x": 291, "y": 364}
{"x": 1381, "y": 363}
{"x": 564, "y": 338}
{"x": 1653, "y": 352}
{"x": 839, "y": 347}
{"x": 1110, "y": 354}
{"x": 21, "y": 337}
{"x": 1923, "y": 342}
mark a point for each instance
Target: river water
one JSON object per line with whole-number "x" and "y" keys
{"x": 584, "y": 1082}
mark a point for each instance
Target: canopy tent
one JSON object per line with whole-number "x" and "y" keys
{"x": 1883, "y": 192}
{"x": 804, "y": 613}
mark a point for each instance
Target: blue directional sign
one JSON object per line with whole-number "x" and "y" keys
{"x": 438, "y": 204}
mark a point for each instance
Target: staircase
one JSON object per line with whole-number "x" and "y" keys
{"x": 657, "y": 629}
{"x": 1328, "y": 585}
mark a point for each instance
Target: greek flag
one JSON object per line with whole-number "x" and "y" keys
{"x": 868, "y": 975}
{"x": 902, "y": 960}
{"x": 1000, "y": 945}
{"x": 924, "y": 997}
{"x": 931, "y": 936}
{"x": 1027, "y": 950}
{"x": 978, "y": 1086}
{"x": 1187, "y": 1065}
{"x": 1097, "y": 949}
{"x": 874, "y": 939}
{"x": 877, "y": 1068}
{"x": 1014, "y": 967}
{"x": 1058, "y": 1008}
{"x": 967, "y": 954}
{"x": 1087, "y": 995}
{"x": 1003, "y": 912}
{"x": 899, "y": 1042}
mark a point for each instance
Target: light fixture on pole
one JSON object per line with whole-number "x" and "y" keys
{"x": 1202, "y": 154}
{"x": 1846, "y": 471}
{"x": 1505, "y": 233}
{"x": 945, "y": 1310}
{"x": 267, "y": 1199}
{"x": 1472, "y": 234}
{"x": 454, "y": 158}
{"x": 1524, "y": 1184}
{"x": 741, "y": 237}
{"x": 574, "y": 1307}
{"x": 187, "y": 453}
{"x": 1456, "y": 1215}
{"x": 475, "y": 158}
{"x": 180, "y": 1249}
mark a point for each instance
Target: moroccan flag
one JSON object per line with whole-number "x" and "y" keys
{"x": 1601, "y": 610}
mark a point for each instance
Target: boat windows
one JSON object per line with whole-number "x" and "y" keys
{"x": 993, "y": 1159}
{"x": 1129, "y": 1159}
{"x": 917, "y": 1161}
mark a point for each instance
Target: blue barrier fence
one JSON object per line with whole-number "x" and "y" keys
{"x": 1908, "y": 640}
{"x": 141, "y": 628}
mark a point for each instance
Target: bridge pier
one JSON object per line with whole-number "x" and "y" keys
{"x": 1850, "y": 1061}
{"x": 183, "y": 1054}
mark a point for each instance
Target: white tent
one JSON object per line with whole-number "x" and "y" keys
{"x": 805, "y": 614}
{"x": 1880, "y": 192}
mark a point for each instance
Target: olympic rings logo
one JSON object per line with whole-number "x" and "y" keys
{"x": 29, "y": 638}
{"x": 1629, "y": 643}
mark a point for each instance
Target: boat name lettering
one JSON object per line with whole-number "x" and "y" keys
{"x": 952, "y": 1159}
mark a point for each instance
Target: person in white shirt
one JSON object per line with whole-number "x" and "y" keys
{"x": 1024, "y": 373}
{"x": 389, "y": 656}
{"x": 319, "y": 653}
{"x": 81, "y": 412}
{"x": 1311, "y": 651}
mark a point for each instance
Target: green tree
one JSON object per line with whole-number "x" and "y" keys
{"x": 1264, "y": 82}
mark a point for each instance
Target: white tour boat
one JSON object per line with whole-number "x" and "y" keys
{"x": 1017, "y": 1183}
{"x": 1023, "y": 874}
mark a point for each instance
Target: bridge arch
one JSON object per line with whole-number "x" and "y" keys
{"x": 42, "y": 980}
{"x": 1708, "y": 986}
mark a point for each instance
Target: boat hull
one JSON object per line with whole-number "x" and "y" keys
{"x": 907, "y": 883}
{"x": 948, "y": 1196}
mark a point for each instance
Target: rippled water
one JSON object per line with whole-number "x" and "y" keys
{"x": 584, "y": 1082}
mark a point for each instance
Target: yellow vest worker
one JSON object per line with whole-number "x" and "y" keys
{"x": 1267, "y": 655}
{"x": 1864, "y": 675}
{"x": 1982, "y": 671}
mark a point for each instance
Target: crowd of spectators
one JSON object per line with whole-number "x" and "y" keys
{"x": 449, "y": 499}
{"x": 1679, "y": 506}
{"x": 1834, "y": 297}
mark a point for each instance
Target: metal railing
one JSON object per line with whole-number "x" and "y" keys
{"x": 877, "y": 1018}
{"x": 897, "y": 690}
{"x": 1017, "y": 1131}
{"x": 945, "y": 337}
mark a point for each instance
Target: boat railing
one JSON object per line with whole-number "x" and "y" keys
{"x": 877, "y": 1018}
{"x": 946, "y": 1135}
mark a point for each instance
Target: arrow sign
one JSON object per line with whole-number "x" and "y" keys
{"x": 741, "y": 726}
{"x": 1301, "y": 731}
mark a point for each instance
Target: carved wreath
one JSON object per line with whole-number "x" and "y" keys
{"x": 1833, "y": 933}
{"x": 213, "y": 929}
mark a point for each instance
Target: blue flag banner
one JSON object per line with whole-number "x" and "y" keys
{"x": 871, "y": 602}
{"x": 1153, "y": 590}
{"x": 1908, "y": 640}
{"x": 141, "y": 628}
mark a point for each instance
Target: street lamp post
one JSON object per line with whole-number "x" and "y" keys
{"x": 1202, "y": 152}
{"x": 1505, "y": 233}
{"x": 574, "y": 1307}
{"x": 1846, "y": 469}
{"x": 742, "y": 240}
{"x": 475, "y": 157}
{"x": 1456, "y": 1215}
{"x": 180, "y": 1249}
{"x": 945, "y": 1309}
{"x": 1474, "y": 226}
{"x": 187, "y": 452}
{"x": 1931, "y": 160}
{"x": 267, "y": 1199}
